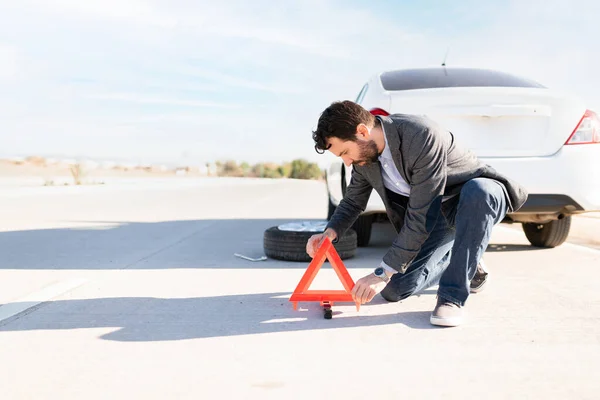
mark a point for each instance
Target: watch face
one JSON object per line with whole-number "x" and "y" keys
{"x": 379, "y": 271}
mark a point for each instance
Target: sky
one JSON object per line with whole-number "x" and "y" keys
{"x": 188, "y": 81}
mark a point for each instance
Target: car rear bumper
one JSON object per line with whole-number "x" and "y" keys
{"x": 569, "y": 179}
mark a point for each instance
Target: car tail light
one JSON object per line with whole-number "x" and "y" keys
{"x": 587, "y": 131}
{"x": 379, "y": 111}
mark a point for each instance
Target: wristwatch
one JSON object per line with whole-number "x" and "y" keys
{"x": 380, "y": 273}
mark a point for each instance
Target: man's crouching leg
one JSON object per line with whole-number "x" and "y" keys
{"x": 414, "y": 281}
{"x": 481, "y": 206}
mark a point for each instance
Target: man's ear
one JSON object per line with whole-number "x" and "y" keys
{"x": 362, "y": 132}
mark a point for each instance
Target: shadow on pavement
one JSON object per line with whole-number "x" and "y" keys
{"x": 164, "y": 245}
{"x": 495, "y": 247}
{"x": 135, "y": 245}
{"x": 141, "y": 319}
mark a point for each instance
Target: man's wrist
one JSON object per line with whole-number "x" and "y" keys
{"x": 389, "y": 271}
{"x": 382, "y": 274}
{"x": 331, "y": 234}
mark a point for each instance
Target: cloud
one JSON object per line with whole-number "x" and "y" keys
{"x": 134, "y": 98}
{"x": 249, "y": 79}
{"x": 547, "y": 41}
{"x": 217, "y": 77}
{"x": 8, "y": 62}
{"x": 136, "y": 11}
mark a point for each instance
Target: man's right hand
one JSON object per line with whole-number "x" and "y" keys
{"x": 315, "y": 241}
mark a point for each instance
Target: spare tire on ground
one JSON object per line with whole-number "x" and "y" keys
{"x": 288, "y": 241}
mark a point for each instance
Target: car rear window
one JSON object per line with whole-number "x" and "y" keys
{"x": 430, "y": 78}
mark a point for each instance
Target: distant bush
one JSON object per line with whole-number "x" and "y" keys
{"x": 285, "y": 170}
{"x": 301, "y": 169}
{"x": 297, "y": 169}
{"x": 230, "y": 168}
{"x": 78, "y": 172}
{"x": 36, "y": 160}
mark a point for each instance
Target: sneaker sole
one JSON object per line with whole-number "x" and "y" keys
{"x": 445, "y": 321}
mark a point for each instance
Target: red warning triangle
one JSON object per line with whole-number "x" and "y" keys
{"x": 326, "y": 251}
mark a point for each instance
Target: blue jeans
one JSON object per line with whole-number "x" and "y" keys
{"x": 450, "y": 255}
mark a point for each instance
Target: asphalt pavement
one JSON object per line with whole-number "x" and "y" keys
{"x": 132, "y": 291}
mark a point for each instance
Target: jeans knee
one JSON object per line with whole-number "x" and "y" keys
{"x": 389, "y": 294}
{"x": 480, "y": 193}
{"x": 393, "y": 295}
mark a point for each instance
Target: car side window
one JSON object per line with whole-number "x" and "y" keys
{"x": 362, "y": 93}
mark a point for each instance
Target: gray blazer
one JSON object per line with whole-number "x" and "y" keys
{"x": 434, "y": 165}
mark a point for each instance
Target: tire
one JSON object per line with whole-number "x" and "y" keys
{"x": 363, "y": 227}
{"x": 291, "y": 246}
{"x": 551, "y": 234}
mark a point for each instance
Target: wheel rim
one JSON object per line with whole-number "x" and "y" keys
{"x": 305, "y": 226}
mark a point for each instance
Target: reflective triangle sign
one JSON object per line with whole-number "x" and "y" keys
{"x": 302, "y": 293}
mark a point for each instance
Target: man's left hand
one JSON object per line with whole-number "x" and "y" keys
{"x": 366, "y": 288}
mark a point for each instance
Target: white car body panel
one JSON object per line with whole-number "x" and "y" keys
{"x": 519, "y": 131}
{"x": 573, "y": 171}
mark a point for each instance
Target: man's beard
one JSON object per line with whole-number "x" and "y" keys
{"x": 368, "y": 153}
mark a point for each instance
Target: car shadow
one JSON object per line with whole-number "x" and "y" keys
{"x": 500, "y": 247}
{"x": 142, "y": 319}
{"x": 137, "y": 245}
{"x": 170, "y": 244}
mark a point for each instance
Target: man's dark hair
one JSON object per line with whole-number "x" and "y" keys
{"x": 340, "y": 120}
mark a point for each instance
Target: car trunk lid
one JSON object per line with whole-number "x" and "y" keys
{"x": 497, "y": 122}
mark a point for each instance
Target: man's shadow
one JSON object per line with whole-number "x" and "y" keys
{"x": 142, "y": 319}
{"x": 161, "y": 319}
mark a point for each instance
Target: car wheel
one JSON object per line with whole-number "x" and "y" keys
{"x": 550, "y": 234}
{"x": 288, "y": 241}
{"x": 363, "y": 227}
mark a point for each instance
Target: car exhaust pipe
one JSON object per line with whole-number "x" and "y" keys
{"x": 537, "y": 218}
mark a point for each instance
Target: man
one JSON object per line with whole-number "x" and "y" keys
{"x": 442, "y": 201}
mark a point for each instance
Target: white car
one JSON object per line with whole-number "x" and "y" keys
{"x": 547, "y": 141}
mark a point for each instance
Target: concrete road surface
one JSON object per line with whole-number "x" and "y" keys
{"x": 133, "y": 292}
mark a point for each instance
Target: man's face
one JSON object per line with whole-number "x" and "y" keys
{"x": 359, "y": 153}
